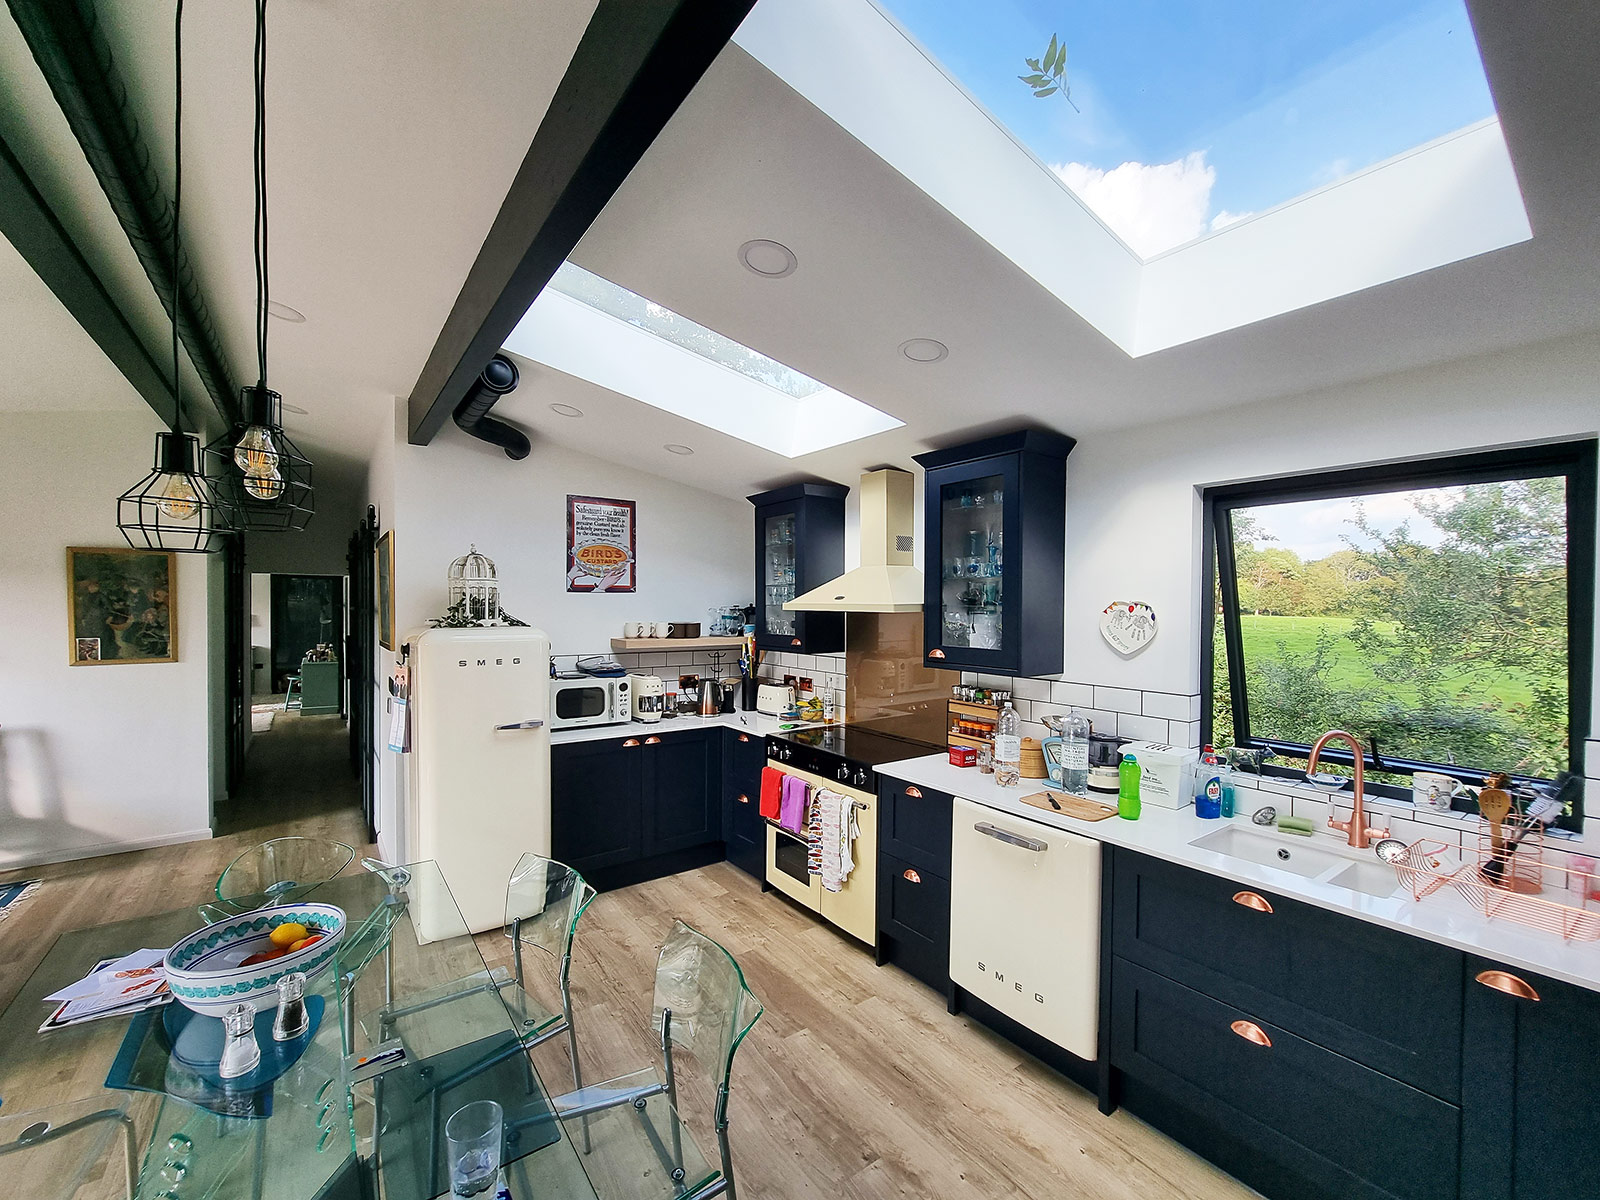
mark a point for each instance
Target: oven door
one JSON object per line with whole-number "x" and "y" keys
{"x": 788, "y": 868}
{"x": 575, "y": 702}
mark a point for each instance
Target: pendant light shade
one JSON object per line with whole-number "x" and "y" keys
{"x": 258, "y": 473}
{"x": 174, "y": 506}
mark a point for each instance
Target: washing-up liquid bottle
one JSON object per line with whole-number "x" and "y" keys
{"x": 1128, "y": 788}
{"x": 1208, "y": 800}
{"x": 1008, "y": 748}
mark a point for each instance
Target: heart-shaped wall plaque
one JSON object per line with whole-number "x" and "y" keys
{"x": 1128, "y": 626}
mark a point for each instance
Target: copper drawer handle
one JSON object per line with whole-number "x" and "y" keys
{"x": 914, "y": 793}
{"x": 631, "y": 742}
{"x": 744, "y": 737}
{"x": 794, "y": 641}
{"x": 910, "y": 875}
{"x": 1252, "y": 900}
{"x": 742, "y": 798}
{"x": 1505, "y": 981}
{"x": 1251, "y": 1032}
{"x": 935, "y": 653}
{"x": 652, "y": 741}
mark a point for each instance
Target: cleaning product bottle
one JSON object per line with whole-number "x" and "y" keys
{"x": 1128, "y": 788}
{"x": 1225, "y": 771}
{"x": 1008, "y": 747}
{"x": 1208, "y": 801}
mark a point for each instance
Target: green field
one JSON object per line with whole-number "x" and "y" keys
{"x": 1349, "y": 668}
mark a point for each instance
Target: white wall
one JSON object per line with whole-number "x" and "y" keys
{"x": 92, "y": 759}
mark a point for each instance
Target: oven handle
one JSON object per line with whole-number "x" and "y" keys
{"x": 1011, "y": 839}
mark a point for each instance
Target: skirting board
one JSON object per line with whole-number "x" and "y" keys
{"x": 100, "y": 849}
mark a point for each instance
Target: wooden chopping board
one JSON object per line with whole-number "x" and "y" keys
{"x": 1068, "y": 805}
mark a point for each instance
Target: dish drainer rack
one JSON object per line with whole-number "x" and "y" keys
{"x": 1517, "y": 884}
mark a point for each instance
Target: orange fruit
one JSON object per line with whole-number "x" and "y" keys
{"x": 287, "y": 934}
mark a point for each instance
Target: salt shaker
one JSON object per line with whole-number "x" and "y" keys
{"x": 240, "y": 1054}
{"x": 292, "y": 1017}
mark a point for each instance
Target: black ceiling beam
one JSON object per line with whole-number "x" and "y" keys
{"x": 635, "y": 64}
{"x": 67, "y": 42}
{"x": 30, "y": 226}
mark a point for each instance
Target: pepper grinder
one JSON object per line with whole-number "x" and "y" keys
{"x": 240, "y": 1054}
{"x": 292, "y": 1017}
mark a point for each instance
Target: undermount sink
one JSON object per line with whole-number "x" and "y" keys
{"x": 1367, "y": 875}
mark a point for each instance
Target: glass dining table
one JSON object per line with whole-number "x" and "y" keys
{"x": 335, "y": 1119}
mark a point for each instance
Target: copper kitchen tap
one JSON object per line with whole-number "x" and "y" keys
{"x": 1360, "y": 834}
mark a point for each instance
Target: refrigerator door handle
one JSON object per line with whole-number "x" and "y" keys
{"x": 521, "y": 725}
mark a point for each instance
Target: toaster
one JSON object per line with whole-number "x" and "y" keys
{"x": 774, "y": 699}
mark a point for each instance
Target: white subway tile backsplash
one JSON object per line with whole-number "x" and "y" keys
{"x": 1034, "y": 730}
{"x": 1000, "y": 682}
{"x": 1102, "y": 721}
{"x": 1030, "y": 689}
{"x": 1184, "y": 733}
{"x": 652, "y": 658}
{"x": 1080, "y": 694}
{"x": 1591, "y": 762}
{"x": 1148, "y": 729}
{"x": 1171, "y": 706}
{"x": 1121, "y": 700}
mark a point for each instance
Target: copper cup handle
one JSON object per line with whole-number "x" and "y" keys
{"x": 652, "y": 741}
{"x": 1252, "y": 900}
{"x": 1251, "y": 1032}
{"x": 744, "y": 737}
{"x": 936, "y": 653}
{"x": 910, "y": 875}
{"x": 794, "y": 641}
{"x": 631, "y": 742}
{"x": 914, "y": 792}
{"x": 1511, "y": 985}
{"x": 742, "y": 798}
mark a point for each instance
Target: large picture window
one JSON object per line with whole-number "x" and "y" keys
{"x": 1443, "y": 612}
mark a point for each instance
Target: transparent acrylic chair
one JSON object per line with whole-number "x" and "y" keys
{"x": 277, "y": 872}
{"x": 702, "y": 1008}
{"x": 54, "y": 1152}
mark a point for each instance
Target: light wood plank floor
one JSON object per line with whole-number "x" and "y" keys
{"x": 854, "y": 1083}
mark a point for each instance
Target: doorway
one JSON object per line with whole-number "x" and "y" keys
{"x": 307, "y": 613}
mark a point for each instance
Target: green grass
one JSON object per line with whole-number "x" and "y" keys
{"x": 1349, "y": 668}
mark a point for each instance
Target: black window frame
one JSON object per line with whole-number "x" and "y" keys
{"x": 1576, "y": 460}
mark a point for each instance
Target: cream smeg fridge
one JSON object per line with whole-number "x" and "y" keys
{"x": 479, "y": 775}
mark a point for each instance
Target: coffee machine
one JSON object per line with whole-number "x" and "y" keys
{"x": 649, "y": 697}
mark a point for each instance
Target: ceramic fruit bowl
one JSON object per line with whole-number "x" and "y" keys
{"x": 207, "y": 970}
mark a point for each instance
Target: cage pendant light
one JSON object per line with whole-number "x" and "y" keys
{"x": 259, "y": 473}
{"x": 174, "y": 507}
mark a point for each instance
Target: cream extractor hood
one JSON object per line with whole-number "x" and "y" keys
{"x": 887, "y": 581}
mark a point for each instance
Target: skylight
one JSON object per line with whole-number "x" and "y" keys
{"x": 597, "y": 330}
{"x": 1171, "y": 120}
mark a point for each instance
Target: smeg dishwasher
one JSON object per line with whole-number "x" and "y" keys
{"x": 1025, "y": 922}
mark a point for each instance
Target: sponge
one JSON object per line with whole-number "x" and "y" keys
{"x": 1295, "y": 824}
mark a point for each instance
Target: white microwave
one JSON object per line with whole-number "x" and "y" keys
{"x": 590, "y": 701}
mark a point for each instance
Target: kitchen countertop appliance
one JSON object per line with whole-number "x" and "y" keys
{"x": 589, "y": 700}
{"x": 1105, "y": 753}
{"x": 649, "y": 697}
{"x": 774, "y": 699}
{"x": 1025, "y": 923}
{"x": 843, "y": 758}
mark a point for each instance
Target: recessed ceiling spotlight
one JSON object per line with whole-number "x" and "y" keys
{"x": 284, "y": 313}
{"x": 674, "y": 448}
{"x": 772, "y": 259}
{"x": 295, "y": 409}
{"x": 566, "y": 410}
{"x": 924, "y": 350}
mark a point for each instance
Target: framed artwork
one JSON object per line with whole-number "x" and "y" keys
{"x": 385, "y": 578}
{"x": 601, "y": 545}
{"x": 122, "y": 606}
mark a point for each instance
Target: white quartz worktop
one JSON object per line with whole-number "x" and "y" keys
{"x": 1443, "y": 917}
{"x": 740, "y": 722}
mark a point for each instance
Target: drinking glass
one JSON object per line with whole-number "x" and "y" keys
{"x": 475, "y": 1134}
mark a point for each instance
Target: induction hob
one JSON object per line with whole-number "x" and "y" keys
{"x": 848, "y": 754}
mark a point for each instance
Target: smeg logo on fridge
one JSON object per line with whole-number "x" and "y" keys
{"x": 488, "y": 662}
{"x": 1000, "y": 978}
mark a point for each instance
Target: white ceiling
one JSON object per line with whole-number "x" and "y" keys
{"x": 396, "y": 129}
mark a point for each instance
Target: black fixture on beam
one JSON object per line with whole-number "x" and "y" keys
{"x": 636, "y": 63}
{"x": 68, "y": 44}
{"x": 498, "y": 379}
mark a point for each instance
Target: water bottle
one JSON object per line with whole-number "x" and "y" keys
{"x": 1008, "y": 748}
{"x": 1128, "y": 788}
{"x": 1075, "y": 753}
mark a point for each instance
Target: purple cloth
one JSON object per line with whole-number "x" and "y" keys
{"x": 792, "y": 804}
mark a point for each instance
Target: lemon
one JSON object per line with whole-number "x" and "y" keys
{"x": 288, "y": 933}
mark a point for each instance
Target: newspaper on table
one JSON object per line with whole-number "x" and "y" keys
{"x": 116, "y": 987}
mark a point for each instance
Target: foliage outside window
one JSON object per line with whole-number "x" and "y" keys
{"x": 1442, "y": 612}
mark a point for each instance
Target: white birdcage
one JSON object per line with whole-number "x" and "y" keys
{"x": 474, "y": 588}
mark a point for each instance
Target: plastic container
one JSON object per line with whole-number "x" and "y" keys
{"x": 1128, "y": 791}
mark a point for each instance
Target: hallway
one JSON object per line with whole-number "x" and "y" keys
{"x": 298, "y": 768}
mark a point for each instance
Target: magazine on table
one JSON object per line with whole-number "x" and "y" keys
{"x": 115, "y": 987}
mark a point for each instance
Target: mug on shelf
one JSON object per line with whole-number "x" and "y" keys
{"x": 660, "y": 629}
{"x": 1433, "y": 790}
{"x": 635, "y": 629}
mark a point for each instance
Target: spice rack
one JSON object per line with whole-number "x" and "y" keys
{"x": 972, "y": 723}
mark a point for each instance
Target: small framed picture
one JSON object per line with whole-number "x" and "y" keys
{"x": 122, "y": 606}
{"x": 385, "y": 580}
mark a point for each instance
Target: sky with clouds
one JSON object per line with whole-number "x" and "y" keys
{"x": 1314, "y": 529}
{"x": 1192, "y": 114}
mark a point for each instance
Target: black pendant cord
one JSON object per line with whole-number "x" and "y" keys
{"x": 263, "y": 266}
{"x": 177, "y": 210}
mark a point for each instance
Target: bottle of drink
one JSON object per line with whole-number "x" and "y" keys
{"x": 1008, "y": 748}
{"x": 1128, "y": 788}
{"x": 1075, "y": 753}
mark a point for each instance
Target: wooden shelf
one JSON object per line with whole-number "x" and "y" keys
{"x": 634, "y": 645}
